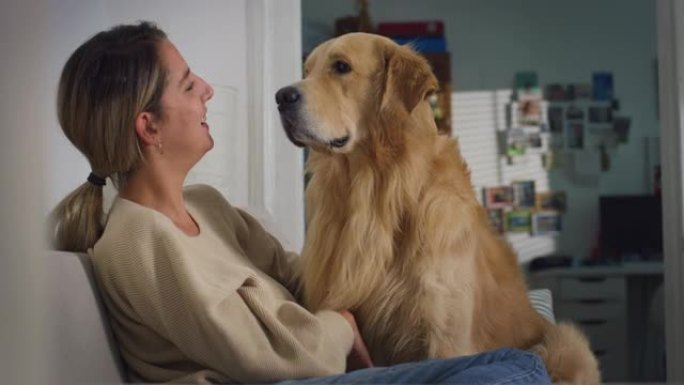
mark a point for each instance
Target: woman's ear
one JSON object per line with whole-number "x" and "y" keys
{"x": 146, "y": 129}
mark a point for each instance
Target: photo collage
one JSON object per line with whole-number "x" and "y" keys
{"x": 564, "y": 117}
{"x": 518, "y": 208}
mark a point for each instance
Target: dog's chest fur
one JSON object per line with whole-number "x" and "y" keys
{"x": 366, "y": 248}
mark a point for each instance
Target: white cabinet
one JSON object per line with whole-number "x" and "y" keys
{"x": 609, "y": 304}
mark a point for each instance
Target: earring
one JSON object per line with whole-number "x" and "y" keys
{"x": 159, "y": 148}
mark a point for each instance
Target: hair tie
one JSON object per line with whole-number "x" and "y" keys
{"x": 96, "y": 180}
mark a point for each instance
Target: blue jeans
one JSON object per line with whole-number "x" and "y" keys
{"x": 503, "y": 366}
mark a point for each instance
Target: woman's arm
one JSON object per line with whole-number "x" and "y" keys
{"x": 223, "y": 317}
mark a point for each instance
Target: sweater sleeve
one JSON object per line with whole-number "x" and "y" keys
{"x": 260, "y": 246}
{"x": 267, "y": 253}
{"x": 223, "y": 316}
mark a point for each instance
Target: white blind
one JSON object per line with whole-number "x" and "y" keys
{"x": 477, "y": 117}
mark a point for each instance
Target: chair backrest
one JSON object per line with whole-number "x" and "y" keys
{"x": 82, "y": 347}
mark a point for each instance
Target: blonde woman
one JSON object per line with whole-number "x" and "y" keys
{"x": 196, "y": 289}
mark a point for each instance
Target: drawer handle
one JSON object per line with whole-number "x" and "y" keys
{"x": 592, "y": 301}
{"x": 592, "y": 322}
{"x": 592, "y": 279}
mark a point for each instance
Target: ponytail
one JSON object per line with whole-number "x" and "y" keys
{"x": 77, "y": 221}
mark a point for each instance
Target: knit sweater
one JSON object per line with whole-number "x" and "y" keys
{"x": 212, "y": 307}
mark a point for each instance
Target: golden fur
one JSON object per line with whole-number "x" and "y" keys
{"x": 395, "y": 232}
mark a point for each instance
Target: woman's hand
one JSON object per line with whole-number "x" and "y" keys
{"x": 358, "y": 358}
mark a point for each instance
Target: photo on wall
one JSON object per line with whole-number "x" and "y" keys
{"x": 552, "y": 201}
{"x": 546, "y": 223}
{"x": 496, "y": 219}
{"x": 556, "y": 93}
{"x": 524, "y": 194}
{"x": 599, "y": 114}
{"x": 498, "y": 197}
{"x": 519, "y": 221}
{"x": 574, "y": 113}
{"x": 527, "y": 85}
{"x": 603, "y": 86}
{"x": 555, "y": 115}
{"x": 621, "y": 128}
{"x": 575, "y": 135}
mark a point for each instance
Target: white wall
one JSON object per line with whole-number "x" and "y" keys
{"x": 24, "y": 111}
{"x": 205, "y": 36}
{"x": 564, "y": 42}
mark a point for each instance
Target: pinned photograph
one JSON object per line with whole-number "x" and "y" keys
{"x": 519, "y": 221}
{"x": 529, "y": 111}
{"x": 615, "y": 105}
{"x": 527, "y": 85}
{"x": 600, "y": 114}
{"x": 496, "y": 219}
{"x": 546, "y": 223}
{"x": 603, "y": 86}
{"x": 552, "y": 201}
{"x": 602, "y": 136}
{"x": 516, "y": 142}
{"x": 575, "y": 135}
{"x": 574, "y": 113}
{"x": 556, "y": 93}
{"x": 524, "y": 194}
{"x": 498, "y": 197}
{"x": 621, "y": 128}
{"x": 535, "y": 141}
{"x": 555, "y": 115}
{"x": 582, "y": 90}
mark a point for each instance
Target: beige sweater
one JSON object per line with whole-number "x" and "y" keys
{"x": 210, "y": 308}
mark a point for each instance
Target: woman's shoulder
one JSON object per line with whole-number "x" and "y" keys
{"x": 204, "y": 194}
{"x": 130, "y": 226}
{"x": 209, "y": 201}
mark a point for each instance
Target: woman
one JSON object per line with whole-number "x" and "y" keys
{"x": 196, "y": 289}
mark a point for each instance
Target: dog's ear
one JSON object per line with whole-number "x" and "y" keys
{"x": 408, "y": 77}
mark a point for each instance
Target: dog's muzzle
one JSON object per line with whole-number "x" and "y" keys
{"x": 289, "y": 99}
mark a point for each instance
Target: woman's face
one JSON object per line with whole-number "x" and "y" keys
{"x": 184, "y": 132}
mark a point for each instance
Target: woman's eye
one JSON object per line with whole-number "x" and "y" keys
{"x": 341, "y": 67}
{"x": 190, "y": 86}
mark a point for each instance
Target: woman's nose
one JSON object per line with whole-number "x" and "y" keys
{"x": 209, "y": 91}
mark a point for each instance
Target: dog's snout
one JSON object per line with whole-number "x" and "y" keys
{"x": 288, "y": 96}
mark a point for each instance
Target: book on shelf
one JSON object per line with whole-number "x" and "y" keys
{"x": 427, "y": 28}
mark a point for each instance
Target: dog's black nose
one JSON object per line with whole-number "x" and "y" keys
{"x": 287, "y": 96}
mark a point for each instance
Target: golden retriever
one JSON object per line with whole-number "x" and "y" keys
{"x": 395, "y": 232}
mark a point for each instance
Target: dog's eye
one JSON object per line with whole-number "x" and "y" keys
{"x": 341, "y": 67}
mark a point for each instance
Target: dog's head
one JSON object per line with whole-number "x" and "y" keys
{"x": 349, "y": 82}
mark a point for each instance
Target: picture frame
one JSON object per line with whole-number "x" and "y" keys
{"x": 575, "y": 135}
{"x": 524, "y": 194}
{"x": 498, "y": 197}
{"x": 598, "y": 114}
{"x": 551, "y": 201}
{"x": 556, "y": 92}
{"x": 496, "y": 219}
{"x": 546, "y": 223}
{"x": 519, "y": 221}
{"x": 602, "y": 86}
{"x": 529, "y": 111}
{"x": 555, "y": 115}
{"x": 574, "y": 113}
{"x": 621, "y": 128}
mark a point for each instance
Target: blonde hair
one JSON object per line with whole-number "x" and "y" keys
{"x": 105, "y": 84}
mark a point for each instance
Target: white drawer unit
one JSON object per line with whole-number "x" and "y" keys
{"x": 609, "y": 304}
{"x": 597, "y": 304}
